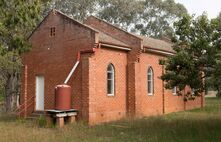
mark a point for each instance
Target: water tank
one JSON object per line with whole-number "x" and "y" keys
{"x": 63, "y": 97}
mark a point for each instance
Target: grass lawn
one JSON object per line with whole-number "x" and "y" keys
{"x": 199, "y": 125}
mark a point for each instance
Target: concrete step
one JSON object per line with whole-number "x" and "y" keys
{"x": 39, "y": 112}
{"x": 36, "y": 115}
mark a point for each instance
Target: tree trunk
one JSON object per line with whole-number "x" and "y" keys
{"x": 11, "y": 92}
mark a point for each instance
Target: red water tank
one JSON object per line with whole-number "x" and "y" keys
{"x": 63, "y": 97}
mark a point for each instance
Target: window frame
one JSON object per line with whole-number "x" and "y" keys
{"x": 150, "y": 81}
{"x": 112, "y": 71}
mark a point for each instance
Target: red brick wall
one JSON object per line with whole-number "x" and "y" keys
{"x": 133, "y": 89}
{"x": 150, "y": 104}
{"x": 153, "y": 105}
{"x": 173, "y": 102}
{"x": 191, "y": 104}
{"x": 53, "y": 57}
{"x": 105, "y": 108}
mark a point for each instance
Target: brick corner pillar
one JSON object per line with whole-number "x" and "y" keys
{"x": 84, "y": 110}
{"x": 22, "y": 112}
{"x": 133, "y": 88}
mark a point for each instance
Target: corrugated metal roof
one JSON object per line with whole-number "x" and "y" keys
{"x": 157, "y": 44}
{"x": 111, "y": 40}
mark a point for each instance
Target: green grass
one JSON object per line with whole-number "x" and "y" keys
{"x": 199, "y": 125}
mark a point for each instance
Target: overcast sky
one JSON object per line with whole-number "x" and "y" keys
{"x": 212, "y": 7}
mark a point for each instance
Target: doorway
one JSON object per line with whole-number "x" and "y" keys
{"x": 39, "y": 106}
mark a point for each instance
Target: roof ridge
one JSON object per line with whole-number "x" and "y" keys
{"x": 111, "y": 36}
{"x": 61, "y": 13}
{"x": 115, "y": 27}
{"x": 87, "y": 26}
{"x": 144, "y": 36}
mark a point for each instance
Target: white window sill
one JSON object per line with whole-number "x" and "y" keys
{"x": 110, "y": 95}
{"x": 150, "y": 94}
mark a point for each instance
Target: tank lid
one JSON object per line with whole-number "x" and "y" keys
{"x": 63, "y": 85}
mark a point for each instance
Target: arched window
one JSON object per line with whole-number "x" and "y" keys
{"x": 150, "y": 81}
{"x": 110, "y": 80}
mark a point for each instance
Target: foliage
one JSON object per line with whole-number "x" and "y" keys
{"x": 120, "y": 12}
{"x": 78, "y": 9}
{"x": 17, "y": 19}
{"x": 197, "y": 45}
{"x": 214, "y": 82}
{"x": 146, "y": 17}
{"x": 157, "y": 17}
{"x": 9, "y": 63}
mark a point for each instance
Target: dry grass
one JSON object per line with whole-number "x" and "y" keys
{"x": 202, "y": 125}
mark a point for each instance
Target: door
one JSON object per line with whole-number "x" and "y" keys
{"x": 39, "y": 93}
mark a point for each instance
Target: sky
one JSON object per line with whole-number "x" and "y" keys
{"x": 212, "y": 7}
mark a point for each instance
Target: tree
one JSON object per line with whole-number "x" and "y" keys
{"x": 146, "y": 17}
{"x": 17, "y": 20}
{"x": 214, "y": 81}
{"x": 78, "y": 9}
{"x": 120, "y": 13}
{"x": 197, "y": 42}
{"x": 158, "y": 16}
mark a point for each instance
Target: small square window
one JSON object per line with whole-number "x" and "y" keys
{"x": 52, "y": 31}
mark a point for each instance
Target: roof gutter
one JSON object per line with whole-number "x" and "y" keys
{"x": 115, "y": 47}
{"x": 159, "y": 52}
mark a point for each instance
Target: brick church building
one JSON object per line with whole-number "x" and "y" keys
{"x": 117, "y": 75}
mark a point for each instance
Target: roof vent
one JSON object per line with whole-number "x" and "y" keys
{"x": 52, "y": 31}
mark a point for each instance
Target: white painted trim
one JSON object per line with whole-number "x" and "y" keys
{"x": 116, "y": 47}
{"x": 61, "y": 115}
{"x": 71, "y": 72}
{"x": 151, "y": 80}
{"x": 39, "y": 93}
{"x": 110, "y": 95}
{"x": 112, "y": 71}
{"x": 150, "y": 94}
{"x": 160, "y": 52}
{"x": 71, "y": 113}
